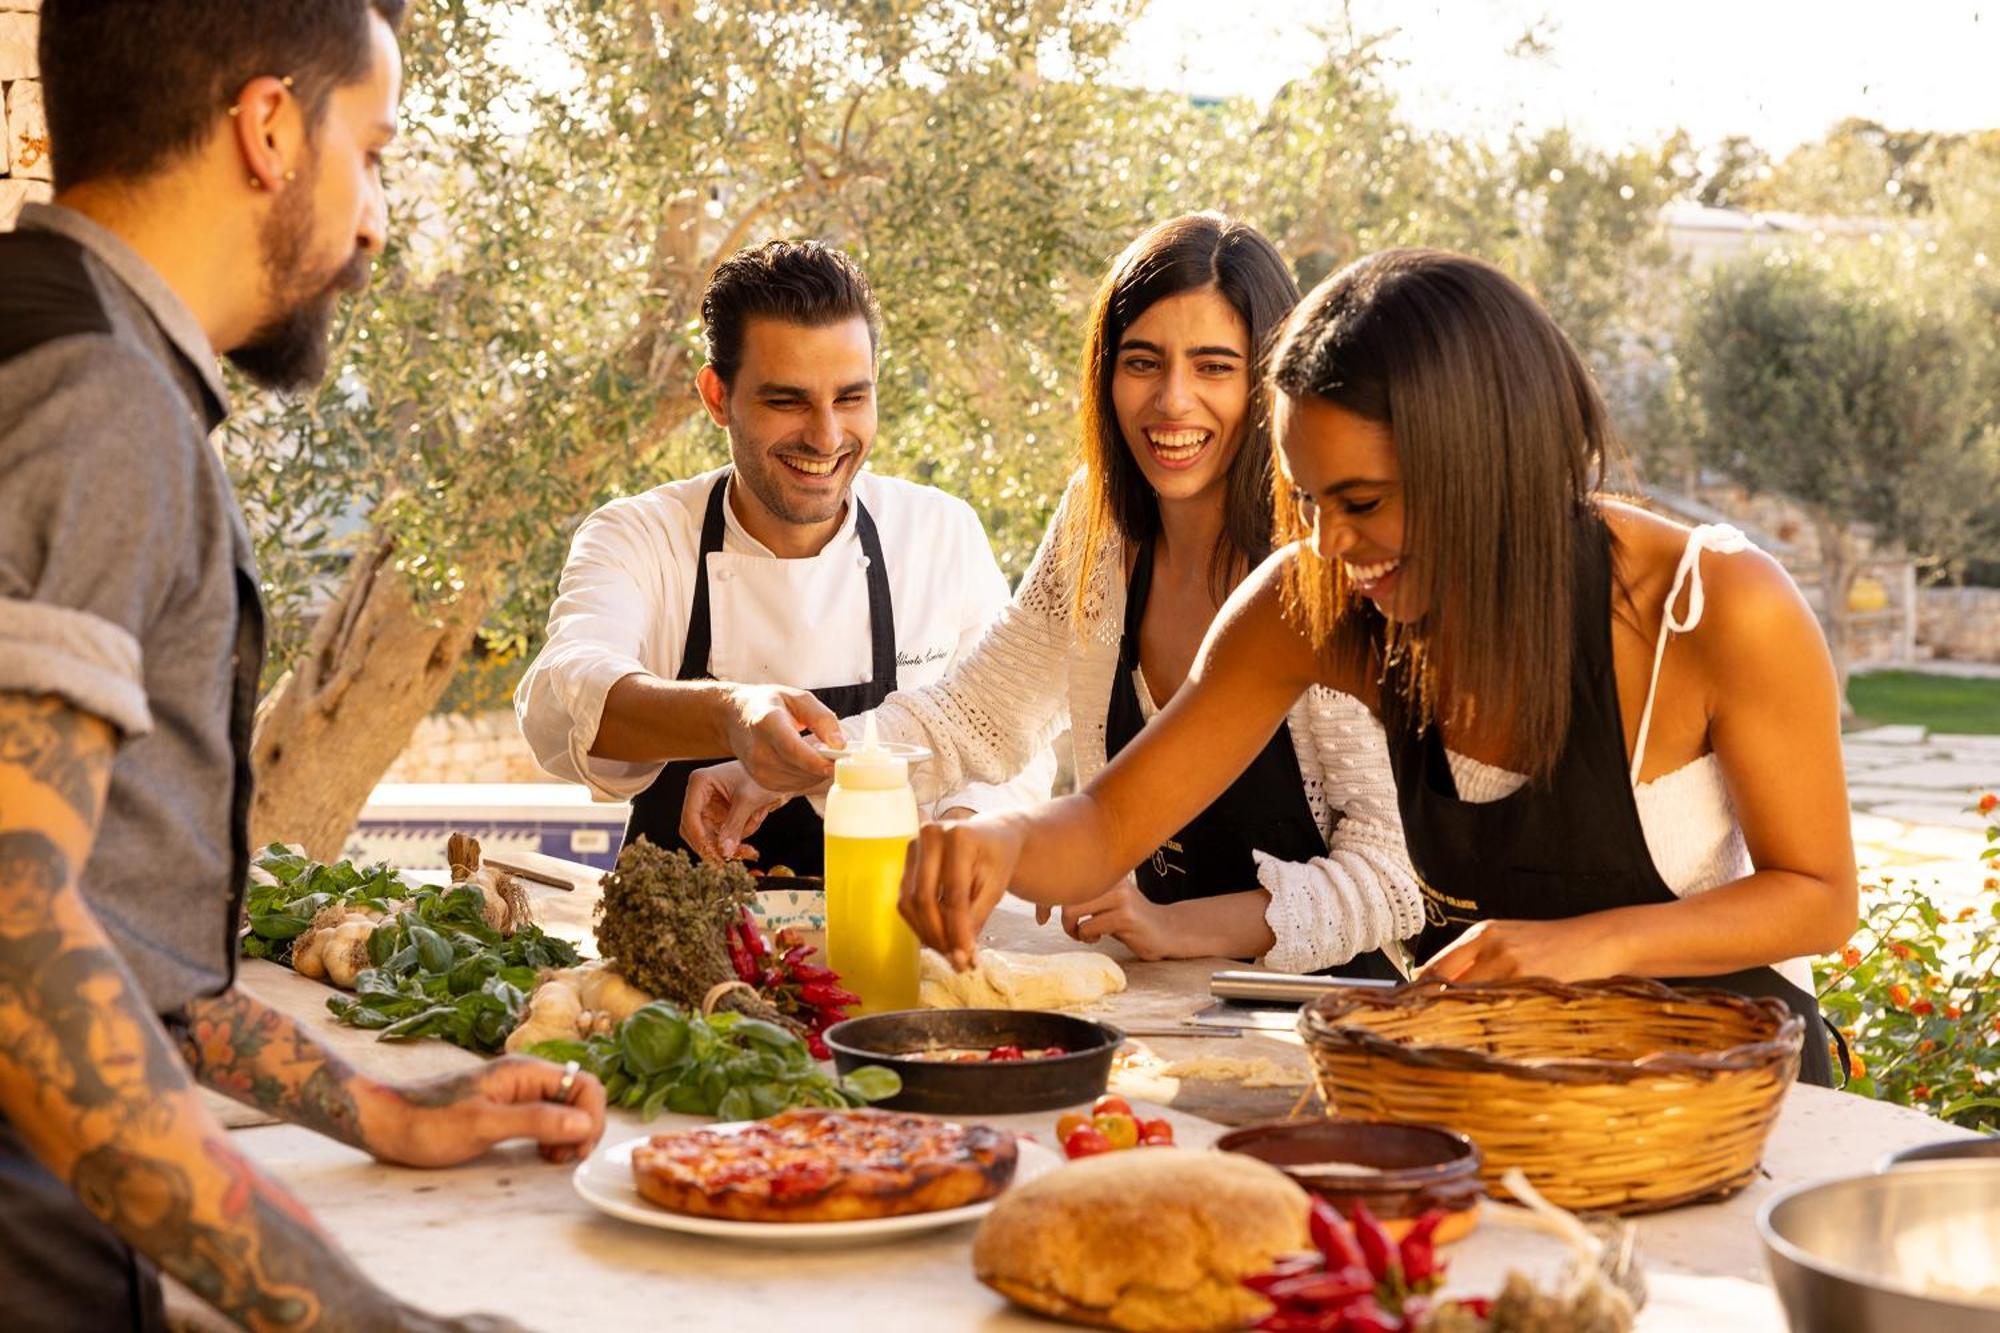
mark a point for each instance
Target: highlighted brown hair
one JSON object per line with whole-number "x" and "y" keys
{"x": 1179, "y": 255}
{"x": 1500, "y": 437}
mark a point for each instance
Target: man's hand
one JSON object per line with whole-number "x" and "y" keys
{"x": 762, "y": 725}
{"x": 243, "y": 1048}
{"x": 1126, "y": 915}
{"x": 1572, "y": 949}
{"x": 955, "y": 874}
{"x": 724, "y": 805}
{"x": 456, "y": 1118}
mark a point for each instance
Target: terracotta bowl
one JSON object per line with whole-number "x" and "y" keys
{"x": 1408, "y": 1169}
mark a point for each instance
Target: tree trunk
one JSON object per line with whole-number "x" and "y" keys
{"x": 1838, "y": 567}
{"x": 376, "y": 667}
{"x": 333, "y": 724}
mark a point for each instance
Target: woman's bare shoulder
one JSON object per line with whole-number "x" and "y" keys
{"x": 1750, "y": 603}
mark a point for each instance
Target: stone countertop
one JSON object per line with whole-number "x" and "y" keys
{"x": 509, "y": 1234}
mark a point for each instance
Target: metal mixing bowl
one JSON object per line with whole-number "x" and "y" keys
{"x": 1917, "y": 1248}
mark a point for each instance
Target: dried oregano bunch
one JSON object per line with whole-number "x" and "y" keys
{"x": 663, "y": 924}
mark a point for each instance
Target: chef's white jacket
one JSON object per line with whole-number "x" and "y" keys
{"x": 628, "y": 588}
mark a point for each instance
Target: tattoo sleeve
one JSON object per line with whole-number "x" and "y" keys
{"x": 245, "y": 1049}
{"x": 89, "y": 1081}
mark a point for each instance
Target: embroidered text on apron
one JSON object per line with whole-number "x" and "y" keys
{"x": 1564, "y": 848}
{"x": 792, "y": 835}
{"x": 1264, "y": 809}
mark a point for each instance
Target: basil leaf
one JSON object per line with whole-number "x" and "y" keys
{"x": 873, "y": 1083}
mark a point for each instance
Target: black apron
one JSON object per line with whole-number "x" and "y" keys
{"x": 793, "y": 835}
{"x": 1559, "y": 849}
{"x": 1263, "y": 810}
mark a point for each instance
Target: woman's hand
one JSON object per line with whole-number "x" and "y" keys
{"x": 1575, "y": 949}
{"x": 956, "y": 873}
{"x": 724, "y": 805}
{"x": 1126, "y": 915}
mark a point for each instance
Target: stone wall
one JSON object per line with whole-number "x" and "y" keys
{"x": 452, "y": 747}
{"x": 24, "y": 134}
{"x": 1961, "y": 624}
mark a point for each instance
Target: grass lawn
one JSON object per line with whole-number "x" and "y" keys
{"x": 1942, "y": 703}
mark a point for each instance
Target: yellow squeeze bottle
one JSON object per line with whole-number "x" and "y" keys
{"x": 871, "y": 815}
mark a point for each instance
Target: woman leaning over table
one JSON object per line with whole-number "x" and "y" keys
{"x": 1299, "y": 859}
{"x": 1613, "y": 753}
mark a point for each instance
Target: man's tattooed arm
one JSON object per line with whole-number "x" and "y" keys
{"x": 245, "y": 1049}
{"x": 89, "y": 1080}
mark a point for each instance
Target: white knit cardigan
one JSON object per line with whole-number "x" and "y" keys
{"x": 1034, "y": 674}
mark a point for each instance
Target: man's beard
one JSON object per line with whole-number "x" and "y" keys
{"x": 289, "y": 351}
{"x": 764, "y": 481}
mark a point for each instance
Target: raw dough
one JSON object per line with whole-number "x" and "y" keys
{"x": 1019, "y": 980}
{"x": 1250, "y": 1071}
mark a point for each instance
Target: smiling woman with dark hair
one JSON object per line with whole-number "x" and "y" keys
{"x": 1299, "y": 860}
{"x": 1611, "y": 755}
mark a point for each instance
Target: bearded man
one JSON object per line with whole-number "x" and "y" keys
{"x": 218, "y": 189}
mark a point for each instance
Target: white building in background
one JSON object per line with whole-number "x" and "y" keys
{"x": 1705, "y": 236}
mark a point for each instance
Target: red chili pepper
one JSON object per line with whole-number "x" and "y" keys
{"x": 817, "y": 1047}
{"x": 824, "y": 994}
{"x": 1365, "y": 1316}
{"x": 1323, "y": 1288}
{"x": 1478, "y": 1305}
{"x": 1376, "y": 1247}
{"x": 739, "y": 957}
{"x": 1333, "y": 1237}
{"x": 807, "y": 972}
{"x": 796, "y": 955}
{"x": 752, "y": 937}
{"x": 1300, "y": 1321}
{"x": 1418, "y": 1252}
{"x": 1292, "y": 1265}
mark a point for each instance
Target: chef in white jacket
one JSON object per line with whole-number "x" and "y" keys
{"x": 729, "y": 613}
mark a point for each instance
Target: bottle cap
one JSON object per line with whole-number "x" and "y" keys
{"x": 872, "y": 766}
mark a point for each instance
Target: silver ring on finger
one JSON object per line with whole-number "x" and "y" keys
{"x": 566, "y": 1089}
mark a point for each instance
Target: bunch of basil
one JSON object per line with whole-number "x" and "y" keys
{"x": 279, "y": 912}
{"x": 438, "y": 970}
{"x": 725, "y": 1065}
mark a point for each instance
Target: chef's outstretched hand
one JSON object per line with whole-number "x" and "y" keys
{"x": 956, "y": 873}
{"x": 724, "y": 805}
{"x": 764, "y": 725}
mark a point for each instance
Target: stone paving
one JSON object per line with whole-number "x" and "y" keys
{"x": 1910, "y": 791}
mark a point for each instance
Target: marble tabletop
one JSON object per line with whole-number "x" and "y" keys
{"x": 509, "y": 1234}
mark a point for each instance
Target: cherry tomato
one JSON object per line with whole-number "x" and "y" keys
{"x": 1086, "y": 1142}
{"x": 1005, "y": 1053}
{"x": 1110, "y": 1105}
{"x": 1121, "y": 1130}
{"x": 1070, "y": 1124}
{"x": 1156, "y": 1131}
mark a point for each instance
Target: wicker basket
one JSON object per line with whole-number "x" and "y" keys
{"x": 1619, "y": 1096}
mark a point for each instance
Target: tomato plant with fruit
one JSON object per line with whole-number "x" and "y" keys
{"x": 1916, "y": 992}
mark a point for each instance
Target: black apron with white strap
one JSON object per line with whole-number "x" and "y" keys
{"x": 793, "y": 835}
{"x": 1264, "y": 810}
{"x": 1559, "y": 849}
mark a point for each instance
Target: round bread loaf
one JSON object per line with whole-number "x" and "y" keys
{"x": 1151, "y": 1240}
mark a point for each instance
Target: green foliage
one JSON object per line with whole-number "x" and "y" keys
{"x": 571, "y": 170}
{"x": 1803, "y": 378}
{"x": 1917, "y": 996}
{"x": 663, "y": 1058}
{"x": 440, "y": 971}
{"x": 279, "y": 912}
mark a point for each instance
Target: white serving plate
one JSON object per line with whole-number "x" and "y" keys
{"x": 604, "y": 1181}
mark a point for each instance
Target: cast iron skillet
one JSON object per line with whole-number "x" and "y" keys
{"x": 1004, "y": 1088}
